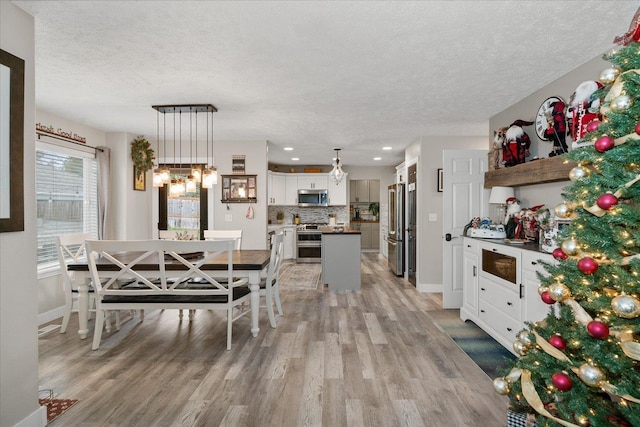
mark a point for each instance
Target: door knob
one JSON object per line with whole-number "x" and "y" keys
{"x": 447, "y": 237}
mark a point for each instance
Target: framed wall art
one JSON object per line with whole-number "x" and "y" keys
{"x": 11, "y": 142}
{"x": 439, "y": 181}
{"x": 239, "y": 189}
{"x": 139, "y": 179}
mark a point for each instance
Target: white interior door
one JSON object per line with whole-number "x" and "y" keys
{"x": 463, "y": 198}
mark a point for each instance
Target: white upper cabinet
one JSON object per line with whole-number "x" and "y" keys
{"x": 276, "y": 189}
{"x": 292, "y": 190}
{"x": 313, "y": 181}
{"x": 338, "y": 193}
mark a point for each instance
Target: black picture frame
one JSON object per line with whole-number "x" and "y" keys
{"x": 12, "y": 111}
{"x": 440, "y": 187}
{"x": 139, "y": 179}
{"x": 239, "y": 189}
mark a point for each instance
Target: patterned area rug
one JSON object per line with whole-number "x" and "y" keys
{"x": 56, "y": 407}
{"x": 299, "y": 276}
{"x": 486, "y": 352}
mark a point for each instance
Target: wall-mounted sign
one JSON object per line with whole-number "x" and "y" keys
{"x": 60, "y": 133}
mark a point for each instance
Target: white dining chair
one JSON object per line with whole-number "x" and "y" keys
{"x": 224, "y": 234}
{"x": 71, "y": 249}
{"x": 270, "y": 284}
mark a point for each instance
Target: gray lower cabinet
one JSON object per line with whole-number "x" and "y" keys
{"x": 341, "y": 261}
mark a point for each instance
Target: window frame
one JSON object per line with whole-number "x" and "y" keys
{"x": 63, "y": 148}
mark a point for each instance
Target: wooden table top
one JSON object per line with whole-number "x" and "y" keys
{"x": 244, "y": 259}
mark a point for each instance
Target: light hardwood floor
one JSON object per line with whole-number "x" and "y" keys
{"x": 367, "y": 358}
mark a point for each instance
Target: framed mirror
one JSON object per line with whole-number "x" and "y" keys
{"x": 11, "y": 142}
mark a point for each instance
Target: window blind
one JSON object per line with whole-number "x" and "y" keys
{"x": 66, "y": 198}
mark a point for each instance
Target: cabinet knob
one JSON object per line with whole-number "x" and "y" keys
{"x": 534, "y": 263}
{"x": 509, "y": 303}
{"x": 509, "y": 329}
{"x": 482, "y": 289}
{"x": 481, "y": 311}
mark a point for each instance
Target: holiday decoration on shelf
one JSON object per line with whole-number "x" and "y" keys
{"x": 580, "y": 365}
{"x": 516, "y": 144}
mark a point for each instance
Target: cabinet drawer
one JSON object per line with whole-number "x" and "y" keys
{"x": 531, "y": 260}
{"x": 504, "y": 325}
{"x": 470, "y": 245}
{"x": 501, "y": 298}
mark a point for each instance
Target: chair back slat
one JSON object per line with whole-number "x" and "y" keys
{"x": 224, "y": 235}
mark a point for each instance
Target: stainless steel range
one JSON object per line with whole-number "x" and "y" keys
{"x": 309, "y": 243}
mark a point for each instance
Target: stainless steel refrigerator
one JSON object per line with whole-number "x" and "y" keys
{"x": 395, "y": 236}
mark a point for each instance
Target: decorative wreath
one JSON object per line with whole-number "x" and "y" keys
{"x": 142, "y": 154}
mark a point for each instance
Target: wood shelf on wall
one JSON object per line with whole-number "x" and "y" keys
{"x": 553, "y": 169}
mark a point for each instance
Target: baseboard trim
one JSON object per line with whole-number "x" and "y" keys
{"x": 48, "y": 316}
{"x": 429, "y": 288}
{"x": 37, "y": 418}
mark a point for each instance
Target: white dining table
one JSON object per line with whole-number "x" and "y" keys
{"x": 246, "y": 263}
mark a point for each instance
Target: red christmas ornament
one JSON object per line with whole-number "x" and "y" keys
{"x": 593, "y": 125}
{"x": 588, "y": 265}
{"x": 604, "y": 143}
{"x": 558, "y": 342}
{"x": 562, "y": 381}
{"x": 606, "y": 200}
{"x": 559, "y": 254}
{"x": 597, "y": 329}
{"x": 638, "y": 128}
{"x": 547, "y": 298}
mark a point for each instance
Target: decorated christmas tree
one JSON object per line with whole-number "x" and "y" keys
{"x": 580, "y": 366}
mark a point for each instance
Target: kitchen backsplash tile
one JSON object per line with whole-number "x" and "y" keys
{"x": 309, "y": 215}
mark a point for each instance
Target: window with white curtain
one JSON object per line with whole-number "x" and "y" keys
{"x": 66, "y": 196}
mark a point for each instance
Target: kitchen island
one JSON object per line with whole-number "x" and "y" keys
{"x": 341, "y": 258}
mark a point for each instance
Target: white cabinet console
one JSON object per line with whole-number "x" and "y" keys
{"x": 501, "y": 287}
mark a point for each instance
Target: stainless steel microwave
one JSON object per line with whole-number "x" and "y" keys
{"x": 310, "y": 198}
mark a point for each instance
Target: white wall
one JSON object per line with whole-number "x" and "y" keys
{"x": 18, "y": 281}
{"x": 427, "y": 152}
{"x": 233, "y": 215}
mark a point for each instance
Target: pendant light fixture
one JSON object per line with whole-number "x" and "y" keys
{"x": 208, "y": 177}
{"x": 210, "y": 173}
{"x": 336, "y": 173}
{"x": 161, "y": 176}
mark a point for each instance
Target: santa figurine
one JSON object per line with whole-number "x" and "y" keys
{"x": 516, "y": 144}
{"x": 584, "y": 106}
{"x": 557, "y": 130}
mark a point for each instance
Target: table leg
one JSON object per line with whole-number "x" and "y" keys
{"x": 83, "y": 310}
{"x": 255, "y": 307}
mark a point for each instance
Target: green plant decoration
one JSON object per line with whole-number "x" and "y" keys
{"x": 374, "y": 208}
{"x": 142, "y": 154}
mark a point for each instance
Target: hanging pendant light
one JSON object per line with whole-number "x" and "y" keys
{"x": 210, "y": 172}
{"x": 207, "y": 177}
{"x": 161, "y": 175}
{"x": 336, "y": 173}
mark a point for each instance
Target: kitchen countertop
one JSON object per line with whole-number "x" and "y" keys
{"x": 529, "y": 246}
{"x": 364, "y": 220}
{"x": 340, "y": 229}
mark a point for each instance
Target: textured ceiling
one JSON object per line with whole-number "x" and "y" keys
{"x": 312, "y": 75}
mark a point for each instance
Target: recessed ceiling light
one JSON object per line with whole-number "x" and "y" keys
{"x": 288, "y": 148}
{"x": 377, "y": 158}
{"x": 295, "y": 159}
{"x": 387, "y": 148}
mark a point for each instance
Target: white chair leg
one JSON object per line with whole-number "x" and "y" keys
{"x": 97, "y": 332}
{"x": 191, "y": 314}
{"x": 141, "y": 315}
{"x": 272, "y": 317}
{"x": 276, "y": 294}
{"x": 180, "y": 314}
{"x": 117, "y": 314}
{"x": 65, "y": 318}
{"x": 229, "y": 327}
{"x": 107, "y": 321}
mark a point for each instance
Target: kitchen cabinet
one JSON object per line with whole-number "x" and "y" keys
{"x": 276, "y": 189}
{"x": 500, "y": 288}
{"x": 338, "y": 192}
{"x": 369, "y": 234}
{"x": 364, "y": 190}
{"x": 289, "y": 240}
{"x": 313, "y": 181}
{"x": 291, "y": 198}
{"x": 470, "y": 278}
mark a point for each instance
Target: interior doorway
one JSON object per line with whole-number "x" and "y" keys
{"x": 412, "y": 224}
